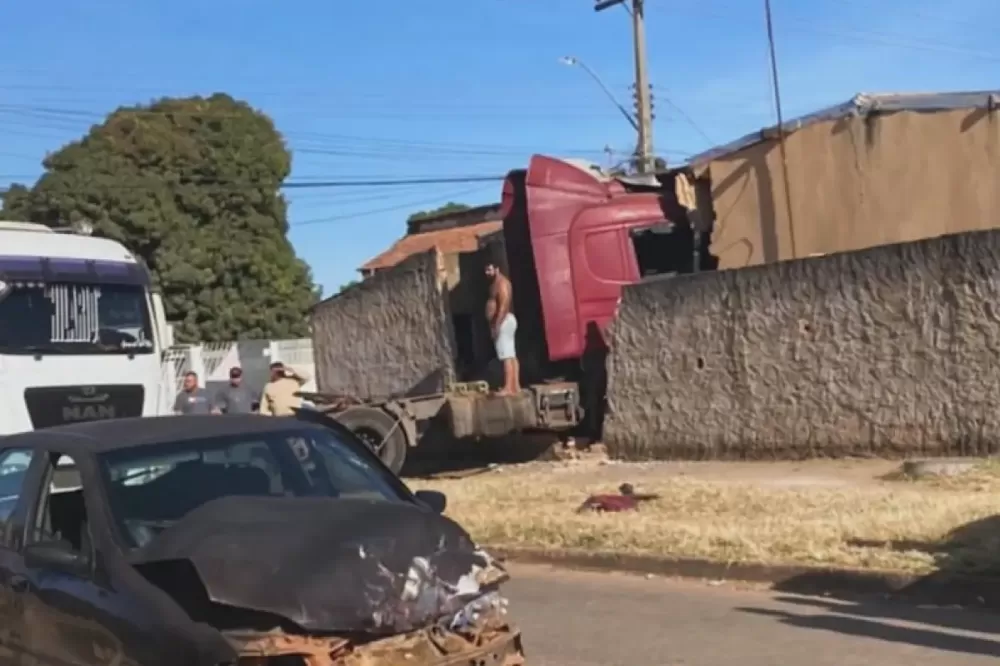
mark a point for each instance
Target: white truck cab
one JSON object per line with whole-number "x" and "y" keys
{"x": 81, "y": 331}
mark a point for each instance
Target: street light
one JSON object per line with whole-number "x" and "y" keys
{"x": 572, "y": 61}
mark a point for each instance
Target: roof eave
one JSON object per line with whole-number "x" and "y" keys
{"x": 859, "y": 105}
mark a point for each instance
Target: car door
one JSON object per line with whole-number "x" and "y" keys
{"x": 79, "y": 618}
{"x": 14, "y": 480}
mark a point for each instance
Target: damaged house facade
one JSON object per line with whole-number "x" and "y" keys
{"x": 878, "y": 169}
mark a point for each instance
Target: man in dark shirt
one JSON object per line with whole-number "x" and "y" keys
{"x": 234, "y": 398}
{"x": 192, "y": 399}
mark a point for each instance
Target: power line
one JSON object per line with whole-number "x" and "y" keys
{"x": 920, "y": 14}
{"x": 884, "y": 39}
{"x": 406, "y": 109}
{"x": 306, "y": 185}
{"x": 411, "y": 181}
{"x": 63, "y": 120}
{"x": 388, "y": 209}
{"x": 448, "y": 95}
{"x": 781, "y": 124}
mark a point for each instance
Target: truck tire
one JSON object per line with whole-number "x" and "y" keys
{"x": 372, "y": 426}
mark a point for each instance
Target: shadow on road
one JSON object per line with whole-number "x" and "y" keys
{"x": 880, "y": 621}
{"x": 973, "y": 548}
{"x": 968, "y": 572}
{"x": 968, "y": 562}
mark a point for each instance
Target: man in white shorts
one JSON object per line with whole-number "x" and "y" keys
{"x": 503, "y": 326}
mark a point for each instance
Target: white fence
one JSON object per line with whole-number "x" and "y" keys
{"x": 213, "y": 360}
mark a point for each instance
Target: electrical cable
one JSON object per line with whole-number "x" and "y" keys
{"x": 387, "y": 209}
{"x": 299, "y": 185}
{"x": 332, "y": 144}
{"x": 772, "y": 52}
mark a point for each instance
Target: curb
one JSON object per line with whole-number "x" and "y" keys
{"x": 942, "y": 588}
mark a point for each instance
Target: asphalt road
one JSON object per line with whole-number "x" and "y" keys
{"x": 593, "y": 619}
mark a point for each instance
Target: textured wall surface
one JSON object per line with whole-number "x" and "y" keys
{"x": 389, "y": 335}
{"x": 856, "y": 183}
{"x": 887, "y": 352}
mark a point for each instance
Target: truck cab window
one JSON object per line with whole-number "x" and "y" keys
{"x": 660, "y": 249}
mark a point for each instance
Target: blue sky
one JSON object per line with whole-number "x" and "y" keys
{"x": 400, "y": 89}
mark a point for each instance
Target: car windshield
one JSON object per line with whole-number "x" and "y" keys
{"x": 152, "y": 487}
{"x": 74, "y": 318}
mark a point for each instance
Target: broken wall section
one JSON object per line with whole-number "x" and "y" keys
{"x": 891, "y": 351}
{"x": 388, "y": 335}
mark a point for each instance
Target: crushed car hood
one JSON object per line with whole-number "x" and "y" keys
{"x": 330, "y": 565}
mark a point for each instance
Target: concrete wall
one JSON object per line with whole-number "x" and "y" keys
{"x": 891, "y": 351}
{"x": 390, "y": 334}
{"x": 856, "y": 183}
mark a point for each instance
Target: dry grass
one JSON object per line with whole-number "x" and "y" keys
{"x": 913, "y": 526}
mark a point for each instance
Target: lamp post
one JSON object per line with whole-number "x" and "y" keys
{"x": 573, "y": 61}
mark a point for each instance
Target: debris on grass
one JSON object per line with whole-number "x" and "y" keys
{"x": 917, "y": 526}
{"x": 625, "y": 500}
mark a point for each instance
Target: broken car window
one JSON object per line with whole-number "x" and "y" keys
{"x": 151, "y": 487}
{"x": 61, "y": 515}
{"x": 13, "y": 468}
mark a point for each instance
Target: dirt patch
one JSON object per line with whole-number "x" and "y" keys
{"x": 815, "y": 513}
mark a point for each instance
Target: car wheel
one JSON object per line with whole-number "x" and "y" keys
{"x": 380, "y": 432}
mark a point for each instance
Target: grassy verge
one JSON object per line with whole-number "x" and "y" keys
{"x": 892, "y": 525}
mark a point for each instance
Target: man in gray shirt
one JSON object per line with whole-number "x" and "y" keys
{"x": 192, "y": 399}
{"x": 234, "y": 398}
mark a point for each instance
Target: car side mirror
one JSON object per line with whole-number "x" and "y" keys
{"x": 56, "y": 555}
{"x": 434, "y": 500}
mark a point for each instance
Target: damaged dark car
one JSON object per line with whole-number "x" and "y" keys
{"x": 242, "y": 540}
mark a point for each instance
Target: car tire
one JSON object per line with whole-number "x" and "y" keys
{"x": 373, "y": 426}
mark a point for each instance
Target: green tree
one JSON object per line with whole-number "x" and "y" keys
{"x": 348, "y": 285}
{"x": 450, "y": 207}
{"x": 192, "y": 186}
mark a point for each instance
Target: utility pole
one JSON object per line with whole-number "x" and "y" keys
{"x": 643, "y": 98}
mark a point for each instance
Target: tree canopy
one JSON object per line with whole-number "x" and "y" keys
{"x": 347, "y": 285}
{"x": 192, "y": 185}
{"x": 450, "y": 207}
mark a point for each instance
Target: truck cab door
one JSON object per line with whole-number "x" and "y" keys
{"x": 600, "y": 261}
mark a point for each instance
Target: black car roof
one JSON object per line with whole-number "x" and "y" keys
{"x": 116, "y": 434}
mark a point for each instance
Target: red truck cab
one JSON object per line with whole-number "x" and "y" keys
{"x": 574, "y": 237}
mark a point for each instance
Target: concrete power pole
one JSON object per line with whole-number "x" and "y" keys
{"x": 643, "y": 98}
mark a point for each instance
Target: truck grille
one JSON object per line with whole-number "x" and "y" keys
{"x": 51, "y": 406}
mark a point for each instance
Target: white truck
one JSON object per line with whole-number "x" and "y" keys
{"x": 81, "y": 330}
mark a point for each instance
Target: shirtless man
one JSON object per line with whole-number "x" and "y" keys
{"x": 503, "y": 326}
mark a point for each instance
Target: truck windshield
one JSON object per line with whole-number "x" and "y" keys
{"x": 40, "y": 317}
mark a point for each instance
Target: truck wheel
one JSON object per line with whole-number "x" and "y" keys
{"x": 372, "y": 425}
